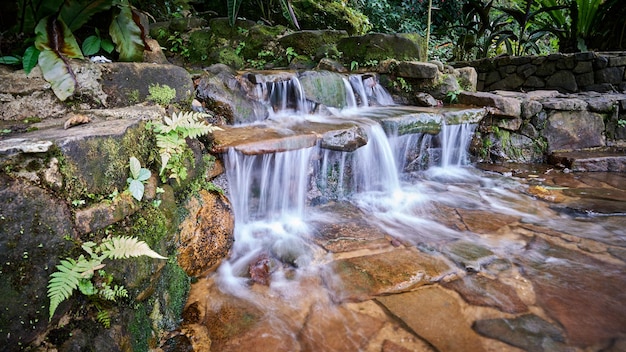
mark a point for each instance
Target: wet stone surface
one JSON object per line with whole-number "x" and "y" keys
{"x": 523, "y": 262}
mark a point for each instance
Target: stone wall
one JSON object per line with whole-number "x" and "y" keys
{"x": 567, "y": 73}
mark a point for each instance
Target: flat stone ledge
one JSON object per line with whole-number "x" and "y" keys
{"x": 591, "y": 161}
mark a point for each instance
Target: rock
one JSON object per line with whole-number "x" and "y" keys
{"x": 347, "y": 140}
{"x": 563, "y": 81}
{"x": 442, "y": 88}
{"x": 101, "y": 215}
{"x": 331, "y": 65}
{"x": 468, "y": 255}
{"x": 612, "y": 75}
{"x": 310, "y": 41}
{"x": 410, "y": 123}
{"x": 467, "y": 77}
{"x": 428, "y": 309}
{"x": 591, "y": 161}
{"x": 254, "y": 140}
{"x": 425, "y": 99}
{"x": 506, "y": 107}
{"x": 481, "y": 291}
{"x": 127, "y": 83}
{"x": 457, "y": 117}
{"x": 221, "y": 91}
{"x": 573, "y": 104}
{"x": 377, "y": 46}
{"x": 324, "y": 87}
{"x": 348, "y": 233}
{"x": 207, "y": 236}
{"x": 417, "y": 70}
{"x": 528, "y": 332}
{"x": 530, "y": 108}
{"x": 155, "y": 55}
{"x": 32, "y": 225}
{"x": 399, "y": 270}
{"x": 574, "y": 130}
{"x": 578, "y": 274}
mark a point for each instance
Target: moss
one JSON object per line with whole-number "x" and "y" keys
{"x": 201, "y": 43}
{"x": 227, "y": 56}
{"x": 161, "y": 94}
{"x": 330, "y": 14}
{"x": 140, "y": 329}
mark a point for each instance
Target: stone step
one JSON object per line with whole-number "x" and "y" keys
{"x": 341, "y": 133}
{"x": 603, "y": 160}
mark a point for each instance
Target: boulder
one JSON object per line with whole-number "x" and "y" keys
{"x": 417, "y": 70}
{"x": 504, "y": 106}
{"x": 377, "y": 46}
{"x": 324, "y": 87}
{"x": 574, "y": 130}
{"x": 467, "y": 77}
{"x": 309, "y": 42}
{"x": 127, "y": 83}
{"x": 206, "y": 236}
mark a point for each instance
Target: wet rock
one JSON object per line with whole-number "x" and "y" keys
{"x": 461, "y": 116}
{"x": 429, "y": 309}
{"x": 505, "y": 106}
{"x": 563, "y": 279}
{"x": 591, "y": 161}
{"x": 221, "y": 91}
{"x": 345, "y": 140}
{"x": 324, "y": 87}
{"x": 331, "y": 65}
{"x": 127, "y": 83}
{"x": 260, "y": 270}
{"x": 479, "y": 221}
{"x": 573, "y": 130}
{"x": 254, "y": 140}
{"x": 411, "y": 123}
{"x": 350, "y": 233}
{"x": 528, "y": 332}
{"x": 481, "y": 291}
{"x": 338, "y": 330}
{"x": 207, "y": 235}
{"x": 101, "y": 215}
{"x": 32, "y": 226}
{"x": 395, "y": 271}
{"x": 468, "y": 255}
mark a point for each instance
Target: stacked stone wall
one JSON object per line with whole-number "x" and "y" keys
{"x": 567, "y": 73}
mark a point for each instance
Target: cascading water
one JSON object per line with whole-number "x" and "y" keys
{"x": 318, "y": 227}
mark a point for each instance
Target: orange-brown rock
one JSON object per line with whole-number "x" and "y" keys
{"x": 206, "y": 236}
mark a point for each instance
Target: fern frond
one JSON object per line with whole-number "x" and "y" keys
{"x": 125, "y": 247}
{"x": 104, "y": 318}
{"x": 63, "y": 283}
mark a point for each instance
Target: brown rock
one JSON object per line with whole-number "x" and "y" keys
{"x": 435, "y": 315}
{"x": 395, "y": 271}
{"x": 207, "y": 235}
{"x": 504, "y": 106}
{"x": 481, "y": 291}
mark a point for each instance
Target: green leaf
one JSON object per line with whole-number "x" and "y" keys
{"x": 52, "y": 34}
{"x": 144, "y": 174}
{"x": 78, "y": 12}
{"x": 107, "y": 45}
{"x": 29, "y": 60}
{"x": 135, "y": 166}
{"x": 136, "y": 189}
{"x": 233, "y": 9}
{"x": 126, "y": 35}
{"x": 10, "y": 60}
{"x": 86, "y": 287}
{"x": 91, "y": 45}
{"x": 59, "y": 73}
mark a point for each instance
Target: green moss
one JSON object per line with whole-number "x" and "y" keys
{"x": 331, "y": 14}
{"x": 140, "y": 328}
{"x": 227, "y": 56}
{"x": 161, "y": 94}
{"x": 201, "y": 43}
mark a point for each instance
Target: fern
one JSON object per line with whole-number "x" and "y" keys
{"x": 126, "y": 247}
{"x": 72, "y": 274}
{"x": 104, "y": 318}
{"x": 171, "y": 135}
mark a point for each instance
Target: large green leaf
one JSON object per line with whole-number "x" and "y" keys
{"x": 57, "y": 43}
{"x": 126, "y": 35}
{"x": 233, "y": 9}
{"x": 76, "y": 13}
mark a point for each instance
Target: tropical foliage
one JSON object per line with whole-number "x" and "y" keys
{"x": 171, "y": 140}
{"x": 79, "y": 273}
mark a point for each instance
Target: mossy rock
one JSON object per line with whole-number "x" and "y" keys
{"x": 378, "y": 46}
{"x": 202, "y": 42}
{"x": 221, "y": 28}
{"x": 227, "y": 56}
{"x": 309, "y": 42}
{"x": 323, "y": 87}
{"x": 330, "y": 14}
{"x": 258, "y": 38}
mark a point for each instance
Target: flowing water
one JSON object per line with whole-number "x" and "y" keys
{"x": 402, "y": 244}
